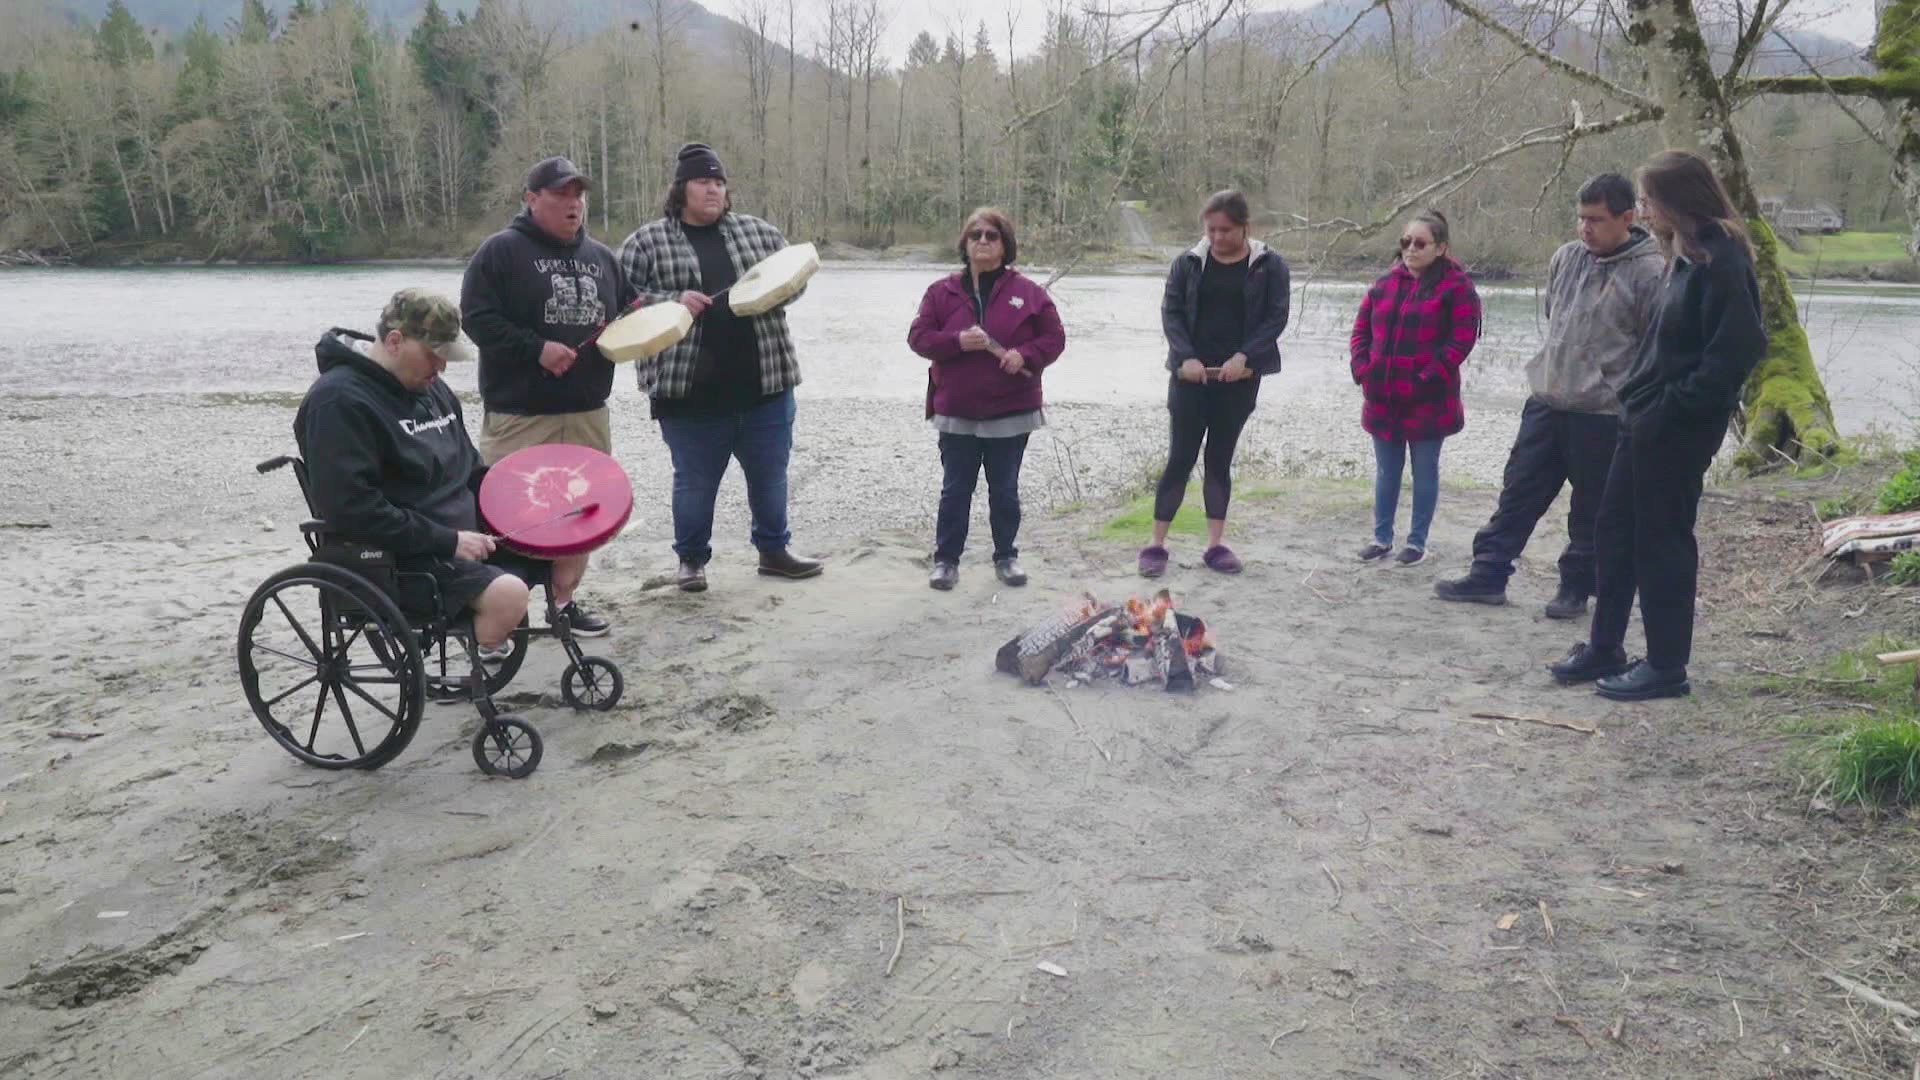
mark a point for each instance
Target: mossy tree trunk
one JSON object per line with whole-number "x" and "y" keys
{"x": 1785, "y": 415}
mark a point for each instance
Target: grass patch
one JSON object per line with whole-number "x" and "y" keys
{"x": 1253, "y": 505}
{"x": 1876, "y": 762}
{"x": 1843, "y": 252}
{"x": 1868, "y": 755}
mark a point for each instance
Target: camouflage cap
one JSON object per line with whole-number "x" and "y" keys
{"x": 428, "y": 318}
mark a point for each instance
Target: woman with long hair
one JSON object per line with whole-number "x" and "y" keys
{"x": 988, "y": 333}
{"x": 1225, "y": 306}
{"x": 1706, "y": 338}
{"x": 1415, "y": 328}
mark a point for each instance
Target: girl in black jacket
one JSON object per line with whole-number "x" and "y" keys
{"x": 1706, "y": 338}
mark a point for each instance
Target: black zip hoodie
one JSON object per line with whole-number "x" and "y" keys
{"x": 386, "y": 465}
{"x": 523, "y": 289}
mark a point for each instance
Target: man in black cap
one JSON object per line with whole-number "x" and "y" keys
{"x": 726, "y": 390}
{"x": 533, "y": 293}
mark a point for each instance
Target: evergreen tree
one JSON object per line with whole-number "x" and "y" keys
{"x": 122, "y": 40}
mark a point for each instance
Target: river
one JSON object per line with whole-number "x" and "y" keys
{"x": 251, "y": 330}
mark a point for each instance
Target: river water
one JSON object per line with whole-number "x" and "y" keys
{"x": 245, "y": 331}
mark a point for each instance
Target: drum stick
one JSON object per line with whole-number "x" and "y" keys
{"x": 578, "y": 511}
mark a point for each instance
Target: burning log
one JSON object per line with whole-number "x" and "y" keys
{"x": 1041, "y": 648}
{"x": 1170, "y": 660}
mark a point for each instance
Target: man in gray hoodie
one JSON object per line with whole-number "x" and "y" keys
{"x": 1601, "y": 292}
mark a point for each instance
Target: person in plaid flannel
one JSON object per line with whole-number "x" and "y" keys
{"x": 1415, "y": 328}
{"x": 726, "y": 390}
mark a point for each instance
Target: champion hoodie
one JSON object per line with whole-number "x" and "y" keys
{"x": 386, "y": 465}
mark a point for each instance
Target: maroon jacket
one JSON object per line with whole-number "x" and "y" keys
{"x": 1408, "y": 343}
{"x": 970, "y": 385}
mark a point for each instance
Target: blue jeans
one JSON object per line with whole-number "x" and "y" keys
{"x": 1390, "y": 459}
{"x": 962, "y": 457}
{"x": 761, "y": 439}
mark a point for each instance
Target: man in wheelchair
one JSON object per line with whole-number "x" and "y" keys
{"x": 389, "y": 462}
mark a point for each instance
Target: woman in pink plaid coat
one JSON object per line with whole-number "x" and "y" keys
{"x": 1416, "y": 326}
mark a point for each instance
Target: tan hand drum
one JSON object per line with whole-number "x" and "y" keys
{"x": 556, "y": 500}
{"x": 774, "y": 280}
{"x": 645, "y": 332}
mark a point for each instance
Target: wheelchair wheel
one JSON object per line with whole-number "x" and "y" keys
{"x": 507, "y": 747}
{"x": 593, "y": 683}
{"x": 331, "y": 668}
{"x": 447, "y": 667}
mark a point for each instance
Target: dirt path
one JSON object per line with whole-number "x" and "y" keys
{"x": 1332, "y": 870}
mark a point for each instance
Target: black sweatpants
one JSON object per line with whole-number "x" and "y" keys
{"x": 1645, "y": 534}
{"x": 1210, "y": 413}
{"x": 1553, "y": 447}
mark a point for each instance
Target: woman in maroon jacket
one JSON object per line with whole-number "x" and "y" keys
{"x": 989, "y": 332}
{"x": 1416, "y": 326}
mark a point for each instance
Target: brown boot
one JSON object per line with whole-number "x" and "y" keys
{"x": 784, "y": 563}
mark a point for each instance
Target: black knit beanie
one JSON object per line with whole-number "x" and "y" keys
{"x": 698, "y": 160}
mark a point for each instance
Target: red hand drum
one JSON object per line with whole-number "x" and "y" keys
{"x": 556, "y": 500}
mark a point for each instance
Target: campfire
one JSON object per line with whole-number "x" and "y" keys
{"x": 1139, "y": 641}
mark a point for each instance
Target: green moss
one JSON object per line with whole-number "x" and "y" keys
{"x": 1786, "y": 406}
{"x": 1896, "y": 46}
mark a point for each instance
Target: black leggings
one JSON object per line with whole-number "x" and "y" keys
{"x": 1212, "y": 413}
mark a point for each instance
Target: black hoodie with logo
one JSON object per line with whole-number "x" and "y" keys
{"x": 386, "y": 465}
{"x": 523, "y": 289}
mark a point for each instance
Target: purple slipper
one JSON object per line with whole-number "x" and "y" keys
{"x": 1153, "y": 560}
{"x": 1220, "y": 557}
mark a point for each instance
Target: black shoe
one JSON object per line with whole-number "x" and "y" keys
{"x": 1584, "y": 663}
{"x": 1410, "y": 555}
{"x": 1375, "y": 551}
{"x": 1644, "y": 682}
{"x": 945, "y": 575}
{"x": 691, "y": 578}
{"x": 1568, "y": 603}
{"x": 1472, "y": 590}
{"x": 784, "y": 563}
{"x": 584, "y": 623}
{"x": 1009, "y": 572}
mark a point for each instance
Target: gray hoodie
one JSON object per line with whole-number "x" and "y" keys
{"x": 1598, "y": 308}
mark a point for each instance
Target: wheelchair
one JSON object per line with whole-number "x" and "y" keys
{"x": 348, "y": 630}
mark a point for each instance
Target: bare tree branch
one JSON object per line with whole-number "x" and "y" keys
{"x": 1878, "y": 139}
{"x": 1572, "y": 71}
{"x": 1287, "y": 91}
{"x": 1866, "y": 86}
{"x": 1750, "y": 36}
{"x": 1166, "y": 12}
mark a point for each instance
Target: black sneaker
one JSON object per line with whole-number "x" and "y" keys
{"x": 1644, "y": 682}
{"x": 1568, "y": 603}
{"x": 1375, "y": 551}
{"x": 1584, "y": 663}
{"x": 1472, "y": 590}
{"x": 584, "y": 623}
{"x": 944, "y": 577}
{"x": 1410, "y": 555}
{"x": 1009, "y": 572}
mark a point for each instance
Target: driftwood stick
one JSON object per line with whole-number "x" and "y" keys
{"x": 1542, "y": 721}
{"x": 1900, "y": 657}
{"x": 1076, "y": 723}
{"x": 1339, "y": 893}
{"x": 1872, "y": 997}
{"x": 899, "y": 932}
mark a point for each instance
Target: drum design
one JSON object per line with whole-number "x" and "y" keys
{"x": 552, "y": 501}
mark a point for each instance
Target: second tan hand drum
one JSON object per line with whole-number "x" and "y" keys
{"x": 649, "y": 331}
{"x": 774, "y": 280}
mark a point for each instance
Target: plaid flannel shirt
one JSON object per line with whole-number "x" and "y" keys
{"x": 1408, "y": 343}
{"x": 660, "y": 264}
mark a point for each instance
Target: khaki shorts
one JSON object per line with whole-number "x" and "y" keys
{"x": 503, "y": 433}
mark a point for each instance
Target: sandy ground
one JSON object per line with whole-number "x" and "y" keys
{"x": 1331, "y": 870}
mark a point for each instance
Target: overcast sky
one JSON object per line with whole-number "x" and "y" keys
{"x": 1849, "y": 19}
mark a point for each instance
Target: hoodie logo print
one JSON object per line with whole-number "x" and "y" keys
{"x": 574, "y": 301}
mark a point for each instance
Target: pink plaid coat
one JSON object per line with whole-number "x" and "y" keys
{"x": 1408, "y": 343}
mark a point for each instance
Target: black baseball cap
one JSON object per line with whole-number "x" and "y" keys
{"x": 556, "y": 172}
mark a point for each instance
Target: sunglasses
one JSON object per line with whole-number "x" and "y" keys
{"x": 989, "y": 236}
{"x": 1414, "y": 243}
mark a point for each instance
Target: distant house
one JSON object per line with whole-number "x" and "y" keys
{"x": 1816, "y": 217}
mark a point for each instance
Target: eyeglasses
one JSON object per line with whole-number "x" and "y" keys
{"x": 985, "y": 236}
{"x": 1414, "y": 243}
